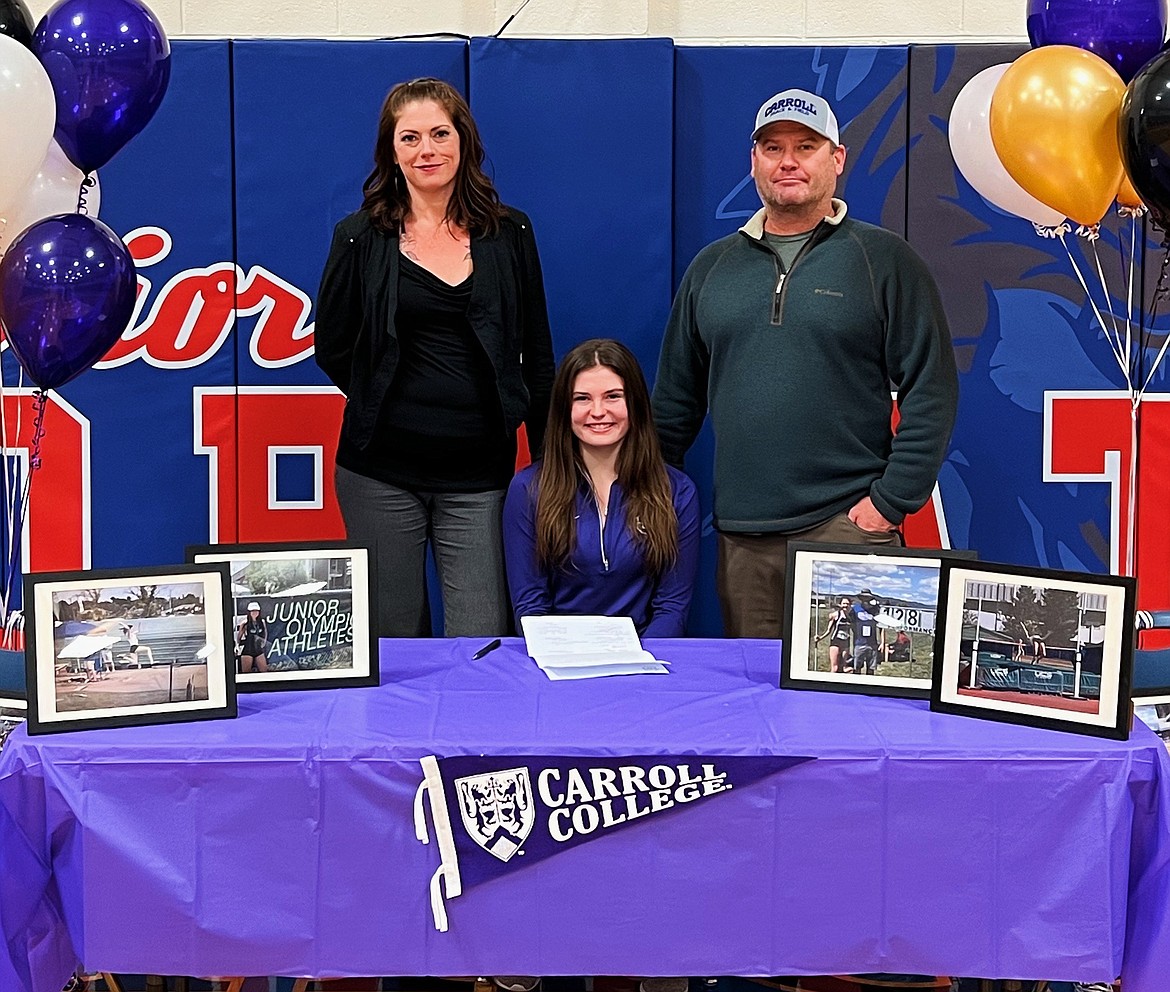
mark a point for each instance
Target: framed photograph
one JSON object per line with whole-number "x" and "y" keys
{"x": 300, "y": 614}
{"x": 13, "y": 710}
{"x": 1034, "y": 646}
{"x": 1156, "y": 716}
{"x": 861, "y": 619}
{"x": 124, "y": 647}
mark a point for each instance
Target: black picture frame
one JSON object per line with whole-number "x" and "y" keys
{"x": 102, "y": 649}
{"x": 903, "y": 580}
{"x": 316, "y": 607}
{"x": 1058, "y": 657}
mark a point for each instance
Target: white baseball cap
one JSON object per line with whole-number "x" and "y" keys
{"x": 802, "y": 107}
{"x": 253, "y": 606}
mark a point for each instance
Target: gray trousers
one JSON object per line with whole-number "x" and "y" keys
{"x": 466, "y": 533}
{"x": 752, "y": 571}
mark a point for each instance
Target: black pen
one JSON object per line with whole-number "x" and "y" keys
{"x": 490, "y": 646}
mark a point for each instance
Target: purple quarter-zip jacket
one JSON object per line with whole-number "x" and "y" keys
{"x": 606, "y": 574}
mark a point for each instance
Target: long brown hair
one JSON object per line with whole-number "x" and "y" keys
{"x": 474, "y": 204}
{"x": 650, "y": 513}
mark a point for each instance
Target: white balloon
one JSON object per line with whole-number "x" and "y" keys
{"x": 28, "y": 115}
{"x": 55, "y": 189}
{"x": 969, "y": 131}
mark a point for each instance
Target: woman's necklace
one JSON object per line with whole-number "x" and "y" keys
{"x": 414, "y": 241}
{"x": 601, "y": 479}
{"x": 602, "y": 505}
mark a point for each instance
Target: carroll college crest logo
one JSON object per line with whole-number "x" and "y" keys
{"x": 497, "y": 809}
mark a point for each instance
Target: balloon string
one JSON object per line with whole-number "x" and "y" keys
{"x": 1159, "y": 294}
{"x": 1127, "y": 266}
{"x": 1055, "y": 231}
{"x": 9, "y": 486}
{"x": 1108, "y": 302}
{"x": 1093, "y": 303}
{"x": 10, "y": 476}
{"x": 1156, "y": 297}
{"x": 1135, "y": 396}
{"x": 14, "y": 623}
{"x": 40, "y": 399}
{"x": 1114, "y": 346}
{"x": 1131, "y": 525}
{"x": 88, "y": 182}
{"x": 1133, "y": 301}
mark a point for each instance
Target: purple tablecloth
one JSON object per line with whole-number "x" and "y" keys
{"x": 284, "y": 842}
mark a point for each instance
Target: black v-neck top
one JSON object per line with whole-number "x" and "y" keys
{"x": 440, "y": 427}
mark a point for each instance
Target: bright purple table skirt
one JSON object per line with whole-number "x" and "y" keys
{"x": 283, "y": 842}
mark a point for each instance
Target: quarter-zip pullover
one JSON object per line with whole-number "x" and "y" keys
{"x": 797, "y": 369}
{"x": 606, "y": 574}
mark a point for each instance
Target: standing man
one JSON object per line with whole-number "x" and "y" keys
{"x": 793, "y": 331}
{"x": 869, "y": 639}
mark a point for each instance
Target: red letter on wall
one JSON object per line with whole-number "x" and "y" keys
{"x": 1088, "y": 437}
{"x": 927, "y": 528}
{"x": 245, "y": 432}
{"x": 56, "y": 533}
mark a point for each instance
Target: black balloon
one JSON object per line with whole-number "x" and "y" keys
{"x": 1144, "y": 136}
{"x": 17, "y": 22}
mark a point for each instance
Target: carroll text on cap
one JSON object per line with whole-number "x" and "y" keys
{"x": 793, "y": 103}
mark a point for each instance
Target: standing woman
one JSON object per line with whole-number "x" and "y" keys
{"x": 431, "y": 319}
{"x": 839, "y": 628}
{"x": 602, "y": 525}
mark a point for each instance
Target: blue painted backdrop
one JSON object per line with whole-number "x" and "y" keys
{"x": 629, "y": 156}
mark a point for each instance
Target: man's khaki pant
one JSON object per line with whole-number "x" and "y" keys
{"x": 752, "y": 571}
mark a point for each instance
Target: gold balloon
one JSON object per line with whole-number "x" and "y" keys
{"x": 1127, "y": 195}
{"x": 1054, "y": 126}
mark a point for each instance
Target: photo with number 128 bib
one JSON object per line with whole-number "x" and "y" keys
{"x": 880, "y": 618}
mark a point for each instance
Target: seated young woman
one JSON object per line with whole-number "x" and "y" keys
{"x": 602, "y": 526}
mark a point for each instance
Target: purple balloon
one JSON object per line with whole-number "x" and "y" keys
{"x": 67, "y": 291}
{"x": 109, "y": 62}
{"x": 1125, "y": 33}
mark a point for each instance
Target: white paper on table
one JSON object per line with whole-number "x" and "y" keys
{"x": 592, "y": 661}
{"x": 568, "y": 662}
{"x": 575, "y": 642}
{"x": 600, "y": 671}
